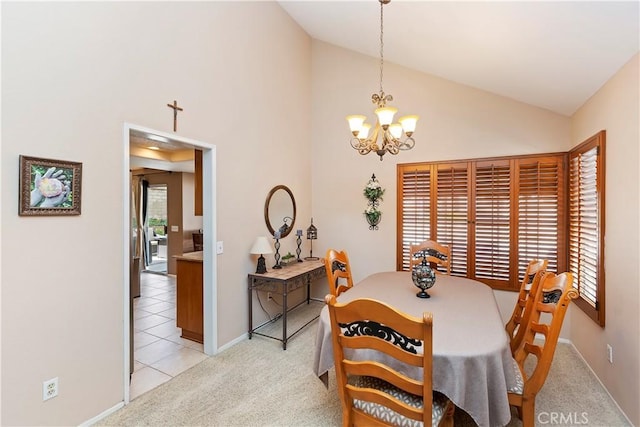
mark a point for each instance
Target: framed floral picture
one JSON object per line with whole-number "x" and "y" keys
{"x": 49, "y": 187}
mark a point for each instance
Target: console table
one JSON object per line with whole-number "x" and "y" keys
{"x": 282, "y": 282}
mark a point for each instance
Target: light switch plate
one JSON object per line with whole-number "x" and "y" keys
{"x": 219, "y": 247}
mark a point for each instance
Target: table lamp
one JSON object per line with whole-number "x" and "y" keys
{"x": 261, "y": 246}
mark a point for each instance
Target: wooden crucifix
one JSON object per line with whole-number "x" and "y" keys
{"x": 175, "y": 113}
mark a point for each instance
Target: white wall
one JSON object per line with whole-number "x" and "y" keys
{"x": 73, "y": 74}
{"x": 456, "y": 122}
{"x": 615, "y": 108}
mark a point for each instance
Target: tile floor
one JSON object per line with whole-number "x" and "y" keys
{"x": 159, "y": 352}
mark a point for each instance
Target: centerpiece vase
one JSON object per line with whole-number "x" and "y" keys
{"x": 424, "y": 277}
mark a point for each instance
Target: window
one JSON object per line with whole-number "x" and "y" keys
{"x": 414, "y": 209}
{"x": 452, "y": 213}
{"x": 493, "y": 208}
{"x": 495, "y": 214}
{"x": 499, "y": 214}
{"x": 541, "y": 213}
{"x": 586, "y": 224}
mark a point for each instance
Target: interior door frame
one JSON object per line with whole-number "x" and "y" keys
{"x": 210, "y": 287}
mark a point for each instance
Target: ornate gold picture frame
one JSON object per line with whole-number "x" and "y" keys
{"x": 49, "y": 187}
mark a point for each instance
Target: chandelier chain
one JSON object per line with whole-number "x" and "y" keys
{"x": 381, "y": 45}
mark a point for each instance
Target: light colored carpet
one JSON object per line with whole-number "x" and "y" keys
{"x": 256, "y": 383}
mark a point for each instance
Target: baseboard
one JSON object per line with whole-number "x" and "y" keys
{"x": 598, "y": 378}
{"x": 232, "y": 343}
{"x": 541, "y": 337}
{"x": 104, "y": 414}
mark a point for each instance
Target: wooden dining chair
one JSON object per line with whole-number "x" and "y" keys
{"x": 547, "y": 315}
{"x": 528, "y": 288}
{"x": 338, "y": 269}
{"x": 437, "y": 255}
{"x": 373, "y": 393}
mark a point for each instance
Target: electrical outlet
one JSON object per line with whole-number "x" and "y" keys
{"x": 49, "y": 388}
{"x": 609, "y": 353}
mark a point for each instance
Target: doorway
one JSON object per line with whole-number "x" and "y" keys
{"x": 156, "y": 235}
{"x": 134, "y": 133}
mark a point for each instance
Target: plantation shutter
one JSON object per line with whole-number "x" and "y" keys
{"x": 540, "y": 213}
{"x": 499, "y": 214}
{"x": 415, "y": 214}
{"x": 452, "y": 213}
{"x": 493, "y": 221}
{"x": 586, "y": 210}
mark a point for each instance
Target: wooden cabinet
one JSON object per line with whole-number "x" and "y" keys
{"x": 189, "y": 303}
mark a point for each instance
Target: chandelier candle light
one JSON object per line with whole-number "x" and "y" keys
{"x": 391, "y": 133}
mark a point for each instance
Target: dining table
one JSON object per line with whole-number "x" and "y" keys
{"x": 472, "y": 362}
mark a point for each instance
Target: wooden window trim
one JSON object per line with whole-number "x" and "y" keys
{"x": 597, "y": 313}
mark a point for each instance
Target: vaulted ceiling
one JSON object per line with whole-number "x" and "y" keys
{"x": 551, "y": 54}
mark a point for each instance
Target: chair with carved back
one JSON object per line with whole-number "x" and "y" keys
{"x": 528, "y": 288}
{"x": 547, "y": 315}
{"x": 436, "y": 255}
{"x": 338, "y": 269}
{"x": 373, "y": 393}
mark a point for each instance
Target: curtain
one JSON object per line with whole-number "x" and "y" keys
{"x": 136, "y": 222}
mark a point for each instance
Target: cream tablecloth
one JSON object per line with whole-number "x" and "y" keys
{"x": 471, "y": 357}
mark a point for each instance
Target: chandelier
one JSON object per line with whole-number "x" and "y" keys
{"x": 389, "y": 132}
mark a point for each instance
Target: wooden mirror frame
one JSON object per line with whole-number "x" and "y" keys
{"x": 266, "y": 210}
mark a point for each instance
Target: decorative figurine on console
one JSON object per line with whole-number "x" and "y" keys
{"x": 285, "y": 226}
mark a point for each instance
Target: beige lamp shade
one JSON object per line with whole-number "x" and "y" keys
{"x": 355, "y": 122}
{"x": 396, "y": 130}
{"x": 261, "y": 246}
{"x": 364, "y": 131}
{"x": 408, "y": 123}
{"x": 385, "y": 115}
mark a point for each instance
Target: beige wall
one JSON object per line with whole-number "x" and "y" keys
{"x": 615, "y": 108}
{"x": 456, "y": 122}
{"x": 73, "y": 74}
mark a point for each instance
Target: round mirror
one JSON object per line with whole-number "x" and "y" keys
{"x": 280, "y": 210}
